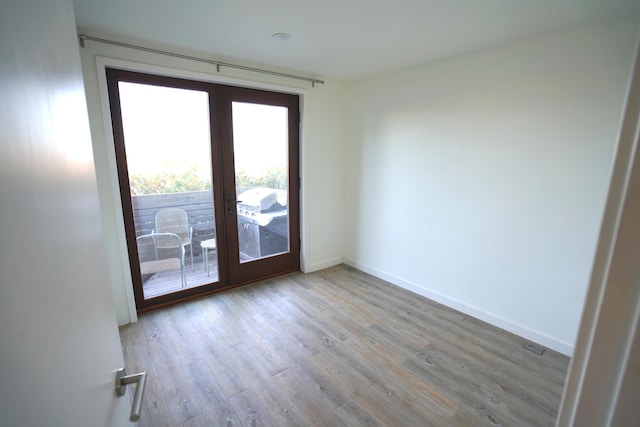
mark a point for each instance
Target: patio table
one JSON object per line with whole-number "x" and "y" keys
{"x": 206, "y": 245}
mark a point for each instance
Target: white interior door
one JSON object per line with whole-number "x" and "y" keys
{"x": 59, "y": 343}
{"x": 603, "y": 383}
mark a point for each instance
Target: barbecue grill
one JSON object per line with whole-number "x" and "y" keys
{"x": 263, "y": 228}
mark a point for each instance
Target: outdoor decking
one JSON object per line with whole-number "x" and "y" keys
{"x": 170, "y": 281}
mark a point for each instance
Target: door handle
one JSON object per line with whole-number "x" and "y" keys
{"x": 231, "y": 203}
{"x": 122, "y": 380}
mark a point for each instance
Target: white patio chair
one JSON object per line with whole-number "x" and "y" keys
{"x": 175, "y": 221}
{"x": 161, "y": 252}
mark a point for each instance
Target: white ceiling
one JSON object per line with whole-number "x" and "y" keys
{"x": 345, "y": 39}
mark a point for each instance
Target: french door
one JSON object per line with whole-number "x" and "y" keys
{"x": 209, "y": 184}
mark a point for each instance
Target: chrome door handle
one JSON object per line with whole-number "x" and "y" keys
{"x": 122, "y": 379}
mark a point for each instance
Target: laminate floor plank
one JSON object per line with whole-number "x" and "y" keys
{"x": 346, "y": 304}
{"x": 212, "y": 403}
{"x": 273, "y": 399}
{"x": 249, "y": 410}
{"x": 478, "y": 417}
{"x": 510, "y": 407}
{"x": 323, "y": 319}
{"x": 179, "y": 394}
{"x": 530, "y": 386}
{"x": 550, "y": 368}
{"x": 438, "y": 403}
{"x": 441, "y": 373}
{"x": 353, "y": 414}
{"x": 296, "y": 343}
{"x": 332, "y": 392}
{"x": 277, "y": 402}
{"x": 441, "y": 367}
{"x": 336, "y": 347}
{"x": 484, "y": 351}
{"x": 297, "y": 338}
{"x": 428, "y": 319}
{"x": 225, "y": 331}
{"x": 311, "y": 322}
{"x": 135, "y": 348}
{"x": 407, "y": 406}
{"x": 155, "y": 411}
{"x": 227, "y": 373}
{"x": 485, "y": 335}
{"x": 308, "y": 397}
{"x": 160, "y": 345}
{"x": 467, "y": 354}
{"x": 181, "y": 329}
{"x": 199, "y": 421}
{"x": 360, "y": 359}
{"x": 394, "y": 336}
{"x": 380, "y": 403}
{"x": 270, "y": 357}
{"x": 340, "y": 372}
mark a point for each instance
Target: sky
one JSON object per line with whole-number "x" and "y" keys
{"x": 168, "y": 128}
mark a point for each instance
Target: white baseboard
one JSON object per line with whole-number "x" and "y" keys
{"x": 310, "y": 268}
{"x": 514, "y": 328}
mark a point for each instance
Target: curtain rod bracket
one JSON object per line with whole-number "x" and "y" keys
{"x": 81, "y": 37}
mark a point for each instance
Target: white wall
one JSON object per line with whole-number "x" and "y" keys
{"x": 322, "y": 147}
{"x": 480, "y": 181}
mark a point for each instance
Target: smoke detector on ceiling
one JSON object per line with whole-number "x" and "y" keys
{"x": 281, "y": 36}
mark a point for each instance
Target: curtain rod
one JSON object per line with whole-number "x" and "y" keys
{"x": 218, "y": 64}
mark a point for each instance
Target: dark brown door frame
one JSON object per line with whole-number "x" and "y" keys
{"x": 231, "y": 273}
{"x": 266, "y": 267}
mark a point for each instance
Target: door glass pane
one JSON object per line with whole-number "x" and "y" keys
{"x": 260, "y": 141}
{"x": 167, "y": 143}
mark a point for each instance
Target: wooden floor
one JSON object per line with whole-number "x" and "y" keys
{"x": 335, "y": 348}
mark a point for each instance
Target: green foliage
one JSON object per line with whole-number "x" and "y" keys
{"x": 273, "y": 178}
{"x": 169, "y": 182}
{"x": 189, "y": 180}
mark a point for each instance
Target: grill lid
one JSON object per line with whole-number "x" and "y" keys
{"x": 261, "y": 199}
